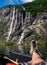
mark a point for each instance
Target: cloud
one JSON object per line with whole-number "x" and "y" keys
{"x": 27, "y": 0}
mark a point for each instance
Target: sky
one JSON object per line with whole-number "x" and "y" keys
{"x": 13, "y": 2}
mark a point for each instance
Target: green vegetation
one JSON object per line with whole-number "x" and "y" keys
{"x": 33, "y": 7}
{"x": 2, "y": 26}
{"x": 12, "y": 46}
{"x": 2, "y": 47}
{"x": 42, "y": 46}
{"x": 36, "y": 6}
{"x": 40, "y": 1}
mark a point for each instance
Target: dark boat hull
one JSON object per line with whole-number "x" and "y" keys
{"x": 14, "y": 56}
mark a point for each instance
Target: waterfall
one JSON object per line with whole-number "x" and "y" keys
{"x": 10, "y": 31}
{"x": 15, "y": 21}
{"x": 11, "y": 25}
{"x": 20, "y": 47}
{"x": 23, "y": 7}
{"x": 21, "y": 38}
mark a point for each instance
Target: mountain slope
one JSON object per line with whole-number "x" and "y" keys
{"x": 36, "y": 6}
{"x": 35, "y": 29}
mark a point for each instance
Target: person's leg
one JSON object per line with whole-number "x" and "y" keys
{"x": 36, "y": 57}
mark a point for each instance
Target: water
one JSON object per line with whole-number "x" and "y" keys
{"x": 21, "y": 38}
{"x": 15, "y": 21}
{"x": 20, "y": 47}
{"x": 11, "y": 25}
{"x": 22, "y": 34}
{"x": 10, "y": 31}
{"x": 23, "y": 8}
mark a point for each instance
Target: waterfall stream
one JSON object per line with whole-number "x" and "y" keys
{"x": 10, "y": 31}
{"x": 11, "y": 25}
{"x": 20, "y": 47}
{"x": 21, "y": 38}
{"x": 15, "y": 21}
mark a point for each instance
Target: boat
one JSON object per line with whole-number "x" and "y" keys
{"x": 14, "y": 58}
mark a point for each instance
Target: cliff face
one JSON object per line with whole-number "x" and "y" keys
{"x": 17, "y": 29}
{"x": 33, "y": 27}
{"x": 39, "y": 25}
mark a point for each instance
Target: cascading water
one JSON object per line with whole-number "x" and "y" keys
{"x": 11, "y": 25}
{"x": 20, "y": 47}
{"x": 21, "y": 38}
{"x": 10, "y": 31}
{"x": 15, "y": 21}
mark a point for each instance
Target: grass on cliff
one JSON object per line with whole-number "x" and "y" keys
{"x": 36, "y": 6}
{"x": 42, "y": 46}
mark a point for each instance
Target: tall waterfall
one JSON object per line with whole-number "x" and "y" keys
{"x": 21, "y": 38}
{"x": 11, "y": 25}
{"x": 20, "y": 47}
{"x": 10, "y": 31}
{"x": 15, "y": 20}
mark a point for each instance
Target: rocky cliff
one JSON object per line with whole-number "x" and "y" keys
{"x": 21, "y": 27}
{"x": 36, "y": 28}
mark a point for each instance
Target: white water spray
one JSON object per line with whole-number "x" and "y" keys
{"x": 21, "y": 38}
{"x": 15, "y": 21}
{"x": 11, "y": 25}
{"x": 20, "y": 47}
{"x": 23, "y": 8}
